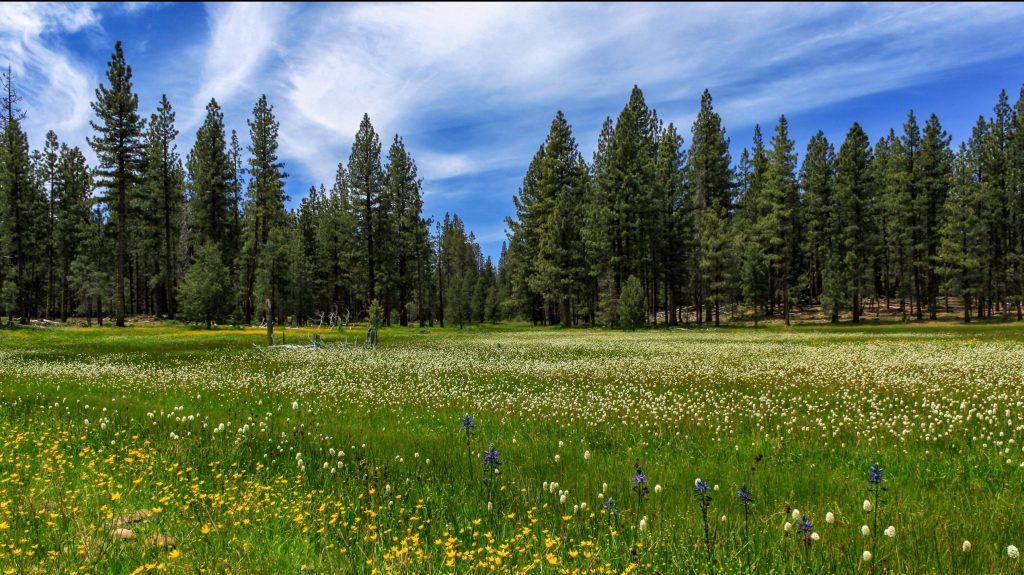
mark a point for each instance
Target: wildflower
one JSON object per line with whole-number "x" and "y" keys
{"x": 876, "y": 476}
{"x": 744, "y": 495}
{"x": 797, "y": 515}
{"x": 643, "y": 523}
{"x": 639, "y": 479}
{"x": 586, "y": 455}
{"x": 815, "y": 537}
{"x": 868, "y": 506}
{"x": 657, "y": 488}
{"x": 890, "y": 532}
{"x": 806, "y": 528}
{"x": 966, "y": 547}
{"x": 491, "y": 458}
{"x": 558, "y": 458}
{"x": 829, "y": 518}
{"x": 724, "y": 518}
{"x": 866, "y": 556}
{"x": 295, "y": 405}
{"x": 788, "y": 527}
{"x": 865, "y": 531}
{"x": 1012, "y": 552}
{"x": 467, "y": 423}
{"x": 700, "y": 487}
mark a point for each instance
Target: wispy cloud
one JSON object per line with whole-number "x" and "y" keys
{"x": 242, "y": 37}
{"x": 472, "y": 87}
{"x": 56, "y": 87}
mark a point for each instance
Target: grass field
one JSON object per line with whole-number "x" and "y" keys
{"x": 351, "y": 459}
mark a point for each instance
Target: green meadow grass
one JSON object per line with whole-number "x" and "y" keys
{"x": 352, "y": 459}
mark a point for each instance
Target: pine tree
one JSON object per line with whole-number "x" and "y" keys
{"x": 205, "y": 287}
{"x": 752, "y": 237}
{"x": 847, "y": 275}
{"x": 366, "y": 180}
{"x": 671, "y": 228}
{"x": 71, "y": 222}
{"x": 934, "y": 168}
{"x": 559, "y": 259}
{"x": 405, "y": 226}
{"x": 118, "y": 146}
{"x": 210, "y": 179}
{"x": 961, "y": 231}
{"x": 1015, "y": 168}
{"x": 338, "y": 254}
{"x": 264, "y": 210}
{"x": 524, "y": 242}
{"x": 163, "y": 200}
{"x": 24, "y": 226}
{"x": 780, "y": 219}
{"x": 817, "y": 178}
{"x": 10, "y": 100}
{"x": 50, "y": 178}
{"x": 633, "y": 304}
{"x": 709, "y": 181}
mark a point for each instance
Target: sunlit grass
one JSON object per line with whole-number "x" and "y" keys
{"x": 349, "y": 459}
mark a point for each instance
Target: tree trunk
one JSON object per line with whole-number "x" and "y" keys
{"x": 270, "y": 322}
{"x": 785, "y": 302}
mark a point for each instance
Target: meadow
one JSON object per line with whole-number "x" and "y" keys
{"x": 815, "y": 449}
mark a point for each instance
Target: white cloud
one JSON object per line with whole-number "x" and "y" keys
{"x": 409, "y": 65}
{"x": 56, "y": 88}
{"x": 242, "y": 37}
{"x": 472, "y": 87}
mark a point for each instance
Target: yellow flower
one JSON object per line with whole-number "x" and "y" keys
{"x": 115, "y": 496}
{"x": 205, "y": 530}
{"x": 174, "y": 554}
{"x": 3, "y": 525}
{"x": 552, "y": 560}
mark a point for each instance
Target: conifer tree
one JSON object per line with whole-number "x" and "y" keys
{"x": 405, "y": 227}
{"x": 560, "y": 275}
{"x": 780, "y": 220}
{"x": 118, "y": 146}
{"x": 205, "y": 287}
{"x": 71, "y": 222}
{"x": 265, "y": 214}
{"x": 366, "y": 181}
{"x": 846, "y": 277}
{"x": 709, "y": 179}
{"x": 961, "y": 232}
{"x": 163, "y": 203}
{"x": 210, "y": 179}
{"x": 817, "y": 177}
{"x": 24, "y": 229}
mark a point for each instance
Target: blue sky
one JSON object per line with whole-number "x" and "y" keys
{"x": 472, "y": 88}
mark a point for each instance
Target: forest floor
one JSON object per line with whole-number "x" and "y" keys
{"x": 188, "y": 450}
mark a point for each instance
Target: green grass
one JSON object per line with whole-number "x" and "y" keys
{"x": 939, "y": 406}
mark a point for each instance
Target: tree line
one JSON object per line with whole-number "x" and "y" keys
{"x": 903, "y": 224}
{"x": 650, "y": 229}
{"x": 209, "y": 237}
